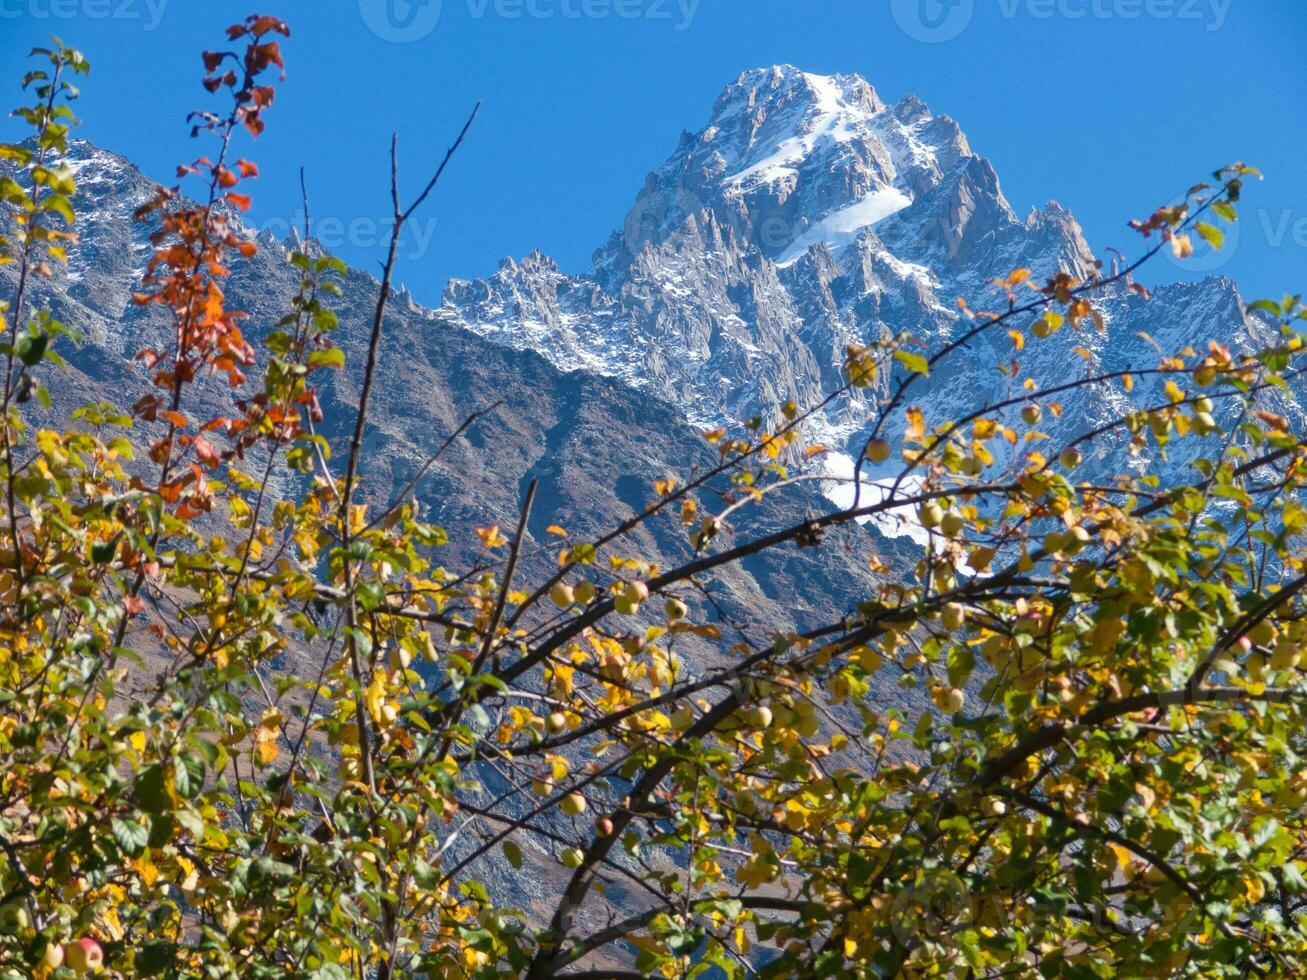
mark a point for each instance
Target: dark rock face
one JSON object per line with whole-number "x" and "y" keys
{"x": 595, "y": 445}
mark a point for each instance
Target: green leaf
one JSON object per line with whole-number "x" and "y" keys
{"x": 913, "y": 362}
{"x": 1226, "y": 210}
{"x": 131, "y": 836}
{"x": 31, "y": 348}
{"x": 58, "y": 203}
{"x": 961, "y": 662}
{"x": 189, "y": 775}
{"x": 271, "y": 870}
{"x": 154, "y": 959}
{"x": 331, "y": 357}
{"x": 152, "y": 789}
{"x": 513, "y": 853}
{"x": 1212, "y": 235}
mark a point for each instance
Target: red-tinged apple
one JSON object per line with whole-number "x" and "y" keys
{"x": 83, "y": 955}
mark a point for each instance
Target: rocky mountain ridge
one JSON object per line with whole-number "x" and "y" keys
{"x": 807, "y": 215}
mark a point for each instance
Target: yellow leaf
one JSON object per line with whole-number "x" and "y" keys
{"x": 1018, "y": 339}
{"x": 357, "y": 519}
{"x": 1119, "y": 855}
{"x": 491, "y": 536}
{"x": 1255, "y": 889}
{"x": 374, "y": 696}
{"x": 265, "y": 744}
{"x": 916, "y": 425}
{"x": 191, "y": 878}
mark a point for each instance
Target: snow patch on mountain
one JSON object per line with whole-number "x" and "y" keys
{"x": 839, "y": 229}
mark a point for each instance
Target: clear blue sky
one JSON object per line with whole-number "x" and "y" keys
{"x": 1109, "y": 106}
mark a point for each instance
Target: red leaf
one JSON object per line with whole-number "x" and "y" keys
{"x": 266, "y": 25}
{"x": 146, "y": 407}
{"x": 239, "y": 201}
{"x": 205, "y": 451}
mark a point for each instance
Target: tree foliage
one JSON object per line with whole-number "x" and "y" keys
{"x": 249, "y": 734}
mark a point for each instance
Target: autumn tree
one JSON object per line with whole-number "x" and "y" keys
{"x": 1104, "y": 774}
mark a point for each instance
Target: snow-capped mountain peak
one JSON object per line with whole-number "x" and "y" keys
{"x": 789, "y": 160}
{"x": 808, "y": 214}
